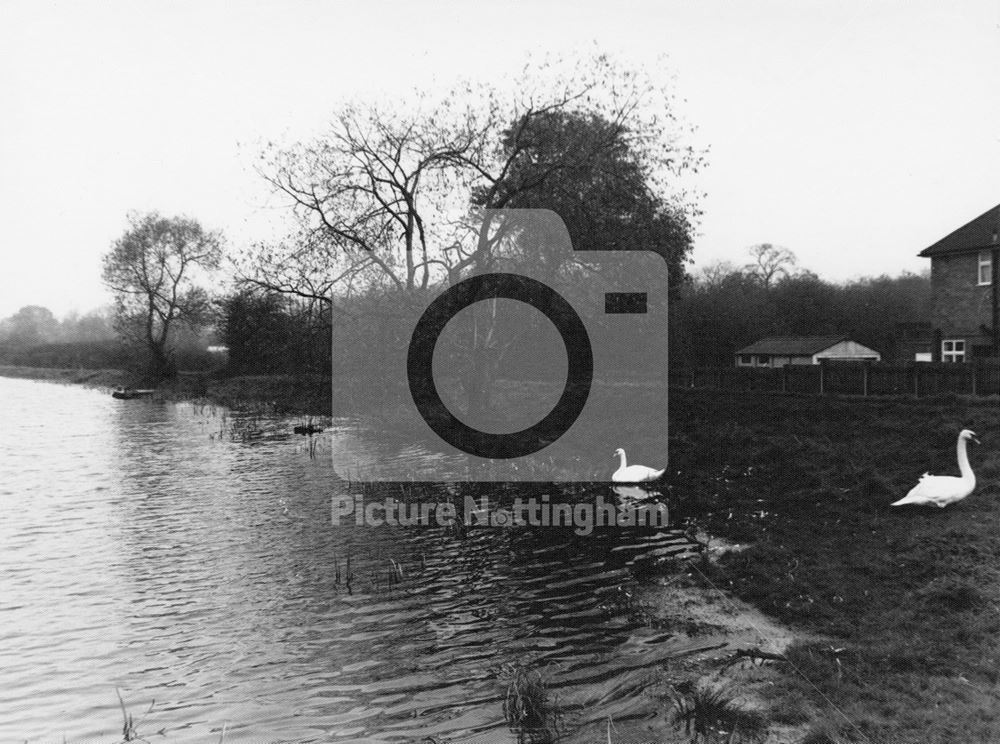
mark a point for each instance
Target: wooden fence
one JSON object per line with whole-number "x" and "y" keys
{"x": 852, "y": 378}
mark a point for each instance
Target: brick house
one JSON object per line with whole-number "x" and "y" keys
{"x": 965, "y": 321}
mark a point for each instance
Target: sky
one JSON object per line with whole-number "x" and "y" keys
{"x": 853, "y": 133}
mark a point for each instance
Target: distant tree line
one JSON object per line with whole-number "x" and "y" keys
{"x": 33, "y": 325}
{"x": 713, "y": 313}
{"x": 34, "y": 337}
{"x": 724, "y": 307}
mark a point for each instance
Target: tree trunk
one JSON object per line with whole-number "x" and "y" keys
{"x": 159, "y": 362}
{"x": 476, "y": 393}
{"x": 477, "y": 383}
{"x": 481, "y": 369}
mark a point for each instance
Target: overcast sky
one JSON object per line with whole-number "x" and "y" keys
{"x": 855, "y": 134}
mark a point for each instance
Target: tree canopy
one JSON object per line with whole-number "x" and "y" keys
{"x": 389, "y": 195}
{"x": 586, "y": 168}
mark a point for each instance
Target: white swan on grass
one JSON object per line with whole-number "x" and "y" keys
{"x": 633, "y": 473}
{"x": 942, "y": 490}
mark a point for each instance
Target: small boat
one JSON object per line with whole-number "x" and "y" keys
{"x": 308, "y": 429}
{"x": 127, "y": 394}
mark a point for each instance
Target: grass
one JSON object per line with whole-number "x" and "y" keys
{"x": 826, "y": 732}
{"x": 711, "y": 714}
{"x": 282, "y": 394}
{"x": 909, "y": 598}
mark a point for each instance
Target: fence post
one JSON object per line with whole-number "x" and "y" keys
{"x": 692, "y": 377}
{"x": 864, "y": 379}
{"x": 915, "y": 370}
{"x": 784, "y": 379}
{"x": 822, "y": 376}
{"x": 975, "y": 374}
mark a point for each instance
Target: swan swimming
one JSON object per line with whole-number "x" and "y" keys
{"x": 942, "y": 490}
{"x": 633, "y": 473}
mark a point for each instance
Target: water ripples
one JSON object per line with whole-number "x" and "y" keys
{"x": 145, "y": 550}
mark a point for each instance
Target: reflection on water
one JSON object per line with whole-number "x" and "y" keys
{"x": 635, "y": 494}
{"x": 142, "y": 547}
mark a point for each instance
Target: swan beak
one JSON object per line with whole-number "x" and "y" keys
{"x": 976, "y": 440}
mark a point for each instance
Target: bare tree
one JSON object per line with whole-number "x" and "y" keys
{"x": 383, "y": 197}
{"x": 714, "y": 274}
{"x": 398, "y": 199}
{"x": 153, "y": 270}
{"x": 769, "y": 262}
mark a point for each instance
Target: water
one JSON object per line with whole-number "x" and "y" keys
{"x": 157, "y": 550}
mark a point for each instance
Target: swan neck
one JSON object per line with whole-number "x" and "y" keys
{"x": 621, "y": 459}
{"x": 963, "y": 460}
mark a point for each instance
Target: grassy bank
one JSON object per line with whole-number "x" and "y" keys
{"x": 909, "y": 598}
{"x": 279, "y": 394}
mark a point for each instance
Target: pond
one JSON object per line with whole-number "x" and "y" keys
{"x": 185, "y": 557}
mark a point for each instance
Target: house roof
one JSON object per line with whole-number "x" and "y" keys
{"x": 792, "y": 345}
{"x": 981, "y": 232}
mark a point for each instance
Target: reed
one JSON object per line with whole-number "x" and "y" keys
{"x": 529, "y": 710}
{"x": 387, "y": 578}
{"x": 343, "y": 578}
{"x": 130, "y": 727}
{"x": 709, "y": 713}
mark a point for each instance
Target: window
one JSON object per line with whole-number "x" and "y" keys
{"x": 746, "y": 359}
{"x": 953, "y": 350}
{"x": 763, "y": 360}
{"x": 985, "y": 268}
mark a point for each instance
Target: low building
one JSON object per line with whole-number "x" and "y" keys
{"x": 777, "y": 351}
